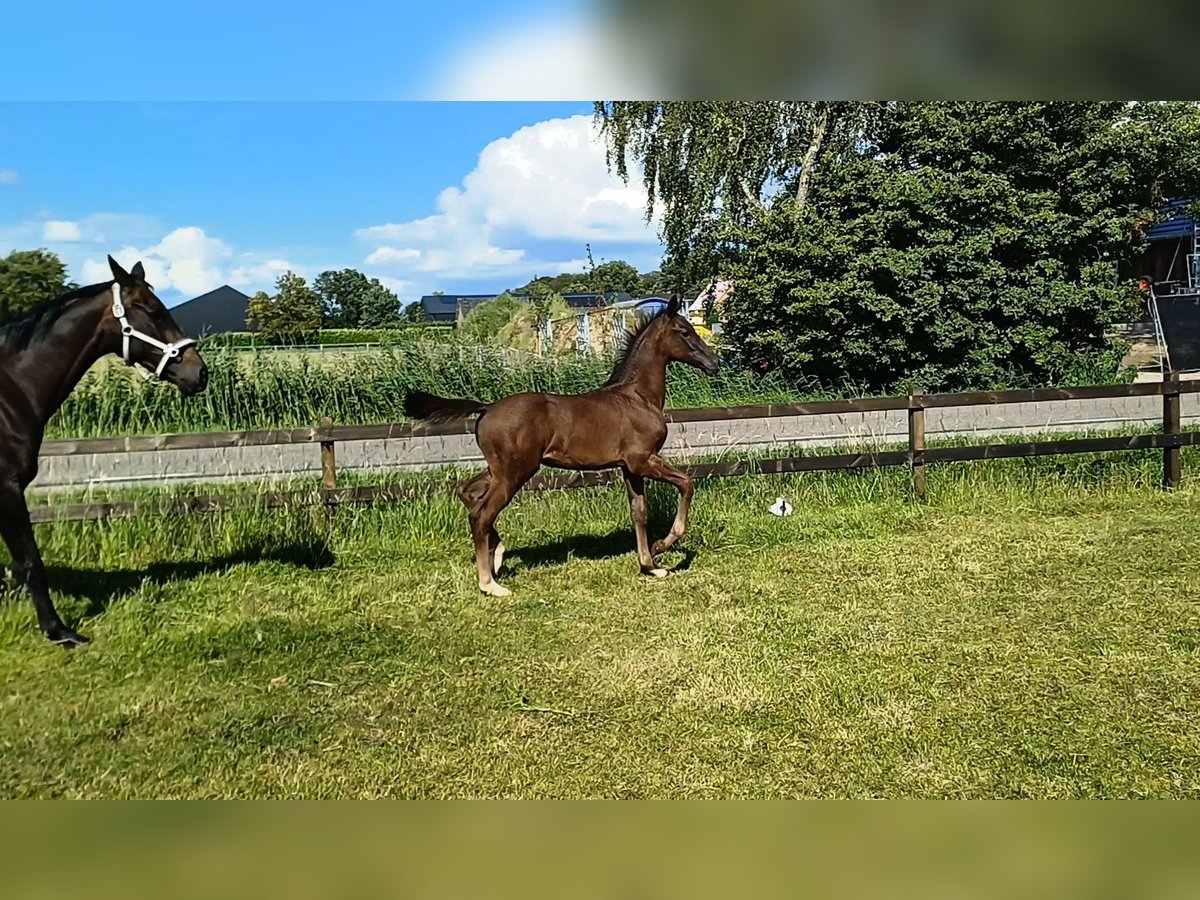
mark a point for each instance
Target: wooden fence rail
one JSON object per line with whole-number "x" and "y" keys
{"x": 917, "y": 456}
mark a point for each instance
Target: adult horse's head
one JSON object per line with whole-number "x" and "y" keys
{"x": 681, "y": 343}
{"x": 147, "y": 335}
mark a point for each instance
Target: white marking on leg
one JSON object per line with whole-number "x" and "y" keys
{"x": 498, "y": 558}
{"x": 495, "y": 589}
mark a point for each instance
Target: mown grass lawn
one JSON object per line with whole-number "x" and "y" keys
{"x": 1033, "y": 630}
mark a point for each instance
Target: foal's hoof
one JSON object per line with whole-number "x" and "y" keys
{"x": 495, "y": 589}
{"x": 655, "y": 573}
{"x": 65, "y": 637}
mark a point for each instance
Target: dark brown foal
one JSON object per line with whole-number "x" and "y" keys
{"x": 620, "y": 425}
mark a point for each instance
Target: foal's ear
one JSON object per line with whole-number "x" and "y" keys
{"x": 673, "y": 305}
{"x": 121, "y": 276}
{"x": 138, "y": 271}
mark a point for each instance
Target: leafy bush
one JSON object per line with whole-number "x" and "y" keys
{"x": 961, "y": 246}
{"x": 483, "y": 323}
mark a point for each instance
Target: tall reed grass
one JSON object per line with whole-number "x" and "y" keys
{"x": 255, "y": 389}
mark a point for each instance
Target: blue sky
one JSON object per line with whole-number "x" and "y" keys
{"x": 425, "y": 195}
{"x": 259, "y": 50}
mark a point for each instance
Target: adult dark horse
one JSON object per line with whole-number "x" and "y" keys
{"x": 620, "y": 425}
{"x": 42, "y": 357}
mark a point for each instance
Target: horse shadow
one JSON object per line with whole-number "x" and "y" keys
{"x": 660, "y": 508}
{"x": 101, "y": 587}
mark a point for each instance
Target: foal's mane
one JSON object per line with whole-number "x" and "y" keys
{"x": 19, "y": 331}
{"x": 634, "y": 334}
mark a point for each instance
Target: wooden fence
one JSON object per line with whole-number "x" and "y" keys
{"x": 917, "y": 456}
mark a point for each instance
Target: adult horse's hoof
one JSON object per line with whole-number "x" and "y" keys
{"x": 655, "y": 573}
{"x": 495, "y": 589}
{"x": 65, "y": 637}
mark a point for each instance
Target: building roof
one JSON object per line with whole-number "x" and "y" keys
{"x": 444, "y": 307}
{"x": 217, "y": 312}
{"x": 1178, "y": 225}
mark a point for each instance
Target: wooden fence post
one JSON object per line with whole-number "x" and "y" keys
{"x": 328, "y": 464}
{"x": 916, "y": 442}
{"x": 1172, "y": 456}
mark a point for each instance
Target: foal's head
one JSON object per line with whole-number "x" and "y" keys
{"x": 679, "y": 341}
{"x": 145, "y": 313}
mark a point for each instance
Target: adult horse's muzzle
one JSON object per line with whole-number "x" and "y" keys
{"x": 188, "y": 373}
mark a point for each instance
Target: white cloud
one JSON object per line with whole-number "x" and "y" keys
{"x": 186, "y": 260}
{"x": 547, "y": 182}
{"x": 386, "y": 255}
{"x": 260, "y": 275}
{"x": 64, "y": 235}
{"x": 59, "y": 230}
{"x": 9, "y": 177}
{"x": 181, "y": 262}
{"x": 398, "y": 286}
{"x": 565, "y": 59}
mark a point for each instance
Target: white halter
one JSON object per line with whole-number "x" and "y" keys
{"x": 169, "y": 351}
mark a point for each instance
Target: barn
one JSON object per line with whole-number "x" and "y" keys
{"x": 219, "y": 311}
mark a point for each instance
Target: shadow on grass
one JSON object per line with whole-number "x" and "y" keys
{"x": 617, "y": 543}
{"x": 101, "y": 587}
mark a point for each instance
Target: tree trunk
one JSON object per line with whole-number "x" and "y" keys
{"x": 810, "y": 157}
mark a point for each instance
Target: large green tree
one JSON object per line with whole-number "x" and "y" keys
{"x": 960, "y": 245}
{"x": 27, "y": 277}
{"x": 292, "y": 314}
{"x": 483, "y": 323}
{"x": 349, "y": 299}
{"x": 615, "y": 276}
{"x": 564, "y": 283}
{"x": 709, "y": 164}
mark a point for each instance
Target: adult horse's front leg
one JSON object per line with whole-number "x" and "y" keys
{"x": 660, "y": 470}
{"x": 27, "y": 564}
{"x": 635, "y": 487}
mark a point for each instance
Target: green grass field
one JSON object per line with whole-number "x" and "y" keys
{"x": 1031, "y": 631}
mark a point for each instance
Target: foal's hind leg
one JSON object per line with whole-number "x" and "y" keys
{"x": 496, "y": 548}
{"x": 500, "y": 491}
{"x": 472, "y": 494}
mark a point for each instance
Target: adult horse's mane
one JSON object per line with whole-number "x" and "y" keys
{"x": 633, "y": 337}
{"x": 18, "y": 331}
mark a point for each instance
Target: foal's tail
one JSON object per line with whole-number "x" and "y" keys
{"x": 439, "y": 410}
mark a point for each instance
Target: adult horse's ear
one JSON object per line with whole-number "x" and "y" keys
{"x": 121, "y": 276}
{"x": 673, "y": 305}
{"x": 138, "y": 271}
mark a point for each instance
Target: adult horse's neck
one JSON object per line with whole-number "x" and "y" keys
{"x": 645, "y": 371}
{"x": 48, "y": 352}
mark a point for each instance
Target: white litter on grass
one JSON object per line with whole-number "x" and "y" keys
{"x": 780, "y": 508}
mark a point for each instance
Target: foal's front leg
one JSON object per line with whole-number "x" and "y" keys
{"x": 660, "y": 470}
{"x": 635, "y": 487}
{"x": 27, "y": 564}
